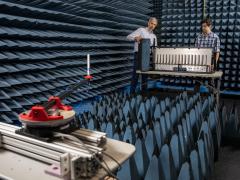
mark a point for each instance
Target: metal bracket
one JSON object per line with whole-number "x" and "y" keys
{"x": 65, "y": 163}
{"x": 62, "y": 169}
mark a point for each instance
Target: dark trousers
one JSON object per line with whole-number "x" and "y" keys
{"x": 135, "y": 76}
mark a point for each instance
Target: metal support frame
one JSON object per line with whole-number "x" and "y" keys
{"x": 204, "y": 8}
{"x": 215, "y": 86}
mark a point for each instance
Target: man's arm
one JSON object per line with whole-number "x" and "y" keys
{"x": 216, "y": 56}
{"x": 217, "y": 49}
{"x": 135, "y": 36}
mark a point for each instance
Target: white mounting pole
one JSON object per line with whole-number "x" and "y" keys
{"x": 88, "y": 64}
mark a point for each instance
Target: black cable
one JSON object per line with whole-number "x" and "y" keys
{"x": 107, "y": 169}
{"x": 119, "y": 165}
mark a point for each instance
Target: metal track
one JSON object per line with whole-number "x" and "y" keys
{"x": 74, "y": 158}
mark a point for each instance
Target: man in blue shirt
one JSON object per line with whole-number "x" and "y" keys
{"x": 137, "y": 36}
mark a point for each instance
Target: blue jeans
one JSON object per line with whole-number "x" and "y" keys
{"x": 135, "y": 76}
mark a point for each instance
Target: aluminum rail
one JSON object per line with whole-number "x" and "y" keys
{"x": 74, "y": 158}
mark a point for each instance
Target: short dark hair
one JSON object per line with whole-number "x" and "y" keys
{"x": 207, "y": 21}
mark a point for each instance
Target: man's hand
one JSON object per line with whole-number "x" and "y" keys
{"x": 212, "y": 68}
{"x": 138, "y": 39}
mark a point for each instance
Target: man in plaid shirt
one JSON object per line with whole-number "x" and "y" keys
{"x": 208, "y": 39}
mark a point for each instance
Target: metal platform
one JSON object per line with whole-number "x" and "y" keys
{"x": 216, "y": 74}
{"x": 214, "y": 77}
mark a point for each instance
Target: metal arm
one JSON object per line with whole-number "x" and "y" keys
{"x": 64, "y": 94}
